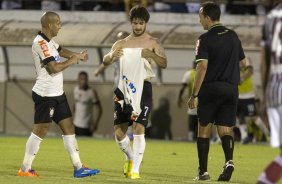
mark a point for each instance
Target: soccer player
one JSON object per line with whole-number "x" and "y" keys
{"x": 246, "y": 109}
{"x": 85, "y": 99}
{"x": 272, "y": 64}
{"x": 102, "y": 67}
{"x": 153, "y": 52}
{"x": 188, "y": 82}
{"x": 49, "y": 98}
{"x": 219, "y": 55}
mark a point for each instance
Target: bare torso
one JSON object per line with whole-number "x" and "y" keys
{"x": 145, "y": 41}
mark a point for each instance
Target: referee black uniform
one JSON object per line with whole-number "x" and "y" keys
{"x": 219, "y": 92}
{"x": 219, "y": 54}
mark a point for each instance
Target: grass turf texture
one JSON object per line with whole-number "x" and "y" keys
{"x": 163, "y": 162}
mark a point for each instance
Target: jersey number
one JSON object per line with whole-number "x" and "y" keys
{"x": 146, "y": 110}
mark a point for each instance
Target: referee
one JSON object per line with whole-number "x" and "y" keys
{"x": 219, "y": 55}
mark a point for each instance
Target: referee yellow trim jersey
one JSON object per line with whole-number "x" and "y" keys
{"x": 247, "y": 85}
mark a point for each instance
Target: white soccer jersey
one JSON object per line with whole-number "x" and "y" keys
{"x": 272, "y": 38}
{"x": 44, "y": 51}
{"x": 84, "y": 102}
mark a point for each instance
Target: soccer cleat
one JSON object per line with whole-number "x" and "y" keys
{"x": 204, "y": 176}
{"x": 228, "y": 169}
{"x": 29, "y": 173}
{"x": 135, "y": 176}
{"x": 127, "y": 168}
{"x": 84, "y": 172}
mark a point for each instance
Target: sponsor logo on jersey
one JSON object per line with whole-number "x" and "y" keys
{"x": 44, "y": 48}
{"x": 130, "y": 84}
{"x": 57, "y": 58}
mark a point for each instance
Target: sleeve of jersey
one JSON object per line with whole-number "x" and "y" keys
{"x": 201, "y": 50}
{"x": 43, "y": 51}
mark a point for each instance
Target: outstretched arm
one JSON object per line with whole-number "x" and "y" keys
{"x": 54, "y": 67}
{"x": 100, "y": 69}
{"x": 67, "y": 54}
{"x": 115, "y": 53}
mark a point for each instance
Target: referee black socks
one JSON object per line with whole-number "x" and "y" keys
{"x": 228, "y": 147}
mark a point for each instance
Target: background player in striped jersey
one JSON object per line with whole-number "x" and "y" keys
{"x": 272, "y": 83}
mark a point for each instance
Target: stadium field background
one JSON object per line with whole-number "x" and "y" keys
{"x": 165, "y": 162}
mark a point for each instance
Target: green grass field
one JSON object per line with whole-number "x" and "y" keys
{"x": 164, "y": 162}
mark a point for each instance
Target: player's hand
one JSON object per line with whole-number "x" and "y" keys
{"x": 192, "y": 103}
{"x": 146, "y": 53}
{"x": 117, "y": 53}
{"x": 83, "y": 56}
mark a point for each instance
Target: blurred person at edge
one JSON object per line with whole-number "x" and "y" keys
{"x": 272, "y": 85}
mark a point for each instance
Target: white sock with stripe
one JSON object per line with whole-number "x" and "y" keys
{"x": 139, "y": 145}
{"x": 125, "y": 147}
{"x": 71, "y": 146}
{"x": 31, "y": 149}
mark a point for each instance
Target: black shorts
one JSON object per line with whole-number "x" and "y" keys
{"x": 246, "y": 107}
{"x": 82, "y": 131}
{"x": 122, "y": 115}
{"x": 193, "y": 122}
{"x": 48, "y": 109}
{"x": 218, "y": 104}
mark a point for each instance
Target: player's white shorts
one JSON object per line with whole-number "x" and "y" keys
{"x": 275, "y": 122}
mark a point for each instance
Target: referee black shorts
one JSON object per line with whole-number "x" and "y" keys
{"x": 218, "y": 104}
{"x": 48, "y": 109}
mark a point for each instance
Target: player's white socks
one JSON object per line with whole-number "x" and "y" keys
{"x": 125, "y": 147}
{"x": 31, "y": 149}
{"x": 243, "y": 129}
{"x": 139, "y": 145}
{"x": 262, "y": 126}
{"x": 71, "y": 146}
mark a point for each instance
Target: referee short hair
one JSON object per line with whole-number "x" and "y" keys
{"x": 212, "y": 10}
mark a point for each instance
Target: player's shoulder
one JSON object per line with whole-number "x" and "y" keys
{"x": 153, "y": 39}
{"x": 37, "y": 40}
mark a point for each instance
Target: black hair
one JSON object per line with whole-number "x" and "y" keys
{"x": 212, "y": 10}
{"x": 139, "y": 12}
{"x": 83, "y": 73}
